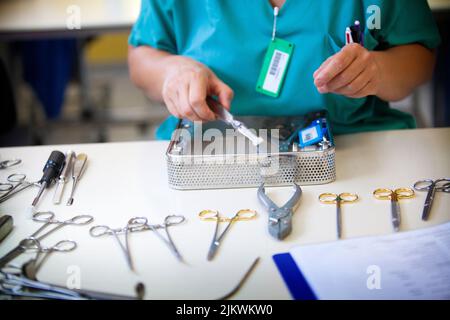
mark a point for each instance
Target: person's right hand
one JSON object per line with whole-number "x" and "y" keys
{"x": 187, "y": 85}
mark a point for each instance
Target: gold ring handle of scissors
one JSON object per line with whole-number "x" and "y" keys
{"x": 241, "y": 215}
{"x": 332, "y": 198}
{"x": 388, "y": 194}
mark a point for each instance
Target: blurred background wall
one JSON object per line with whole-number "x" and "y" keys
{"x": 61, "y": 84}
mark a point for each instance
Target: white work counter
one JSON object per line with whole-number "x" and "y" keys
{"x": 129, "y": 179}
{"x": 25, "y": 18}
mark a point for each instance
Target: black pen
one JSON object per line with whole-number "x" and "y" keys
{"x": 354, "y": 34}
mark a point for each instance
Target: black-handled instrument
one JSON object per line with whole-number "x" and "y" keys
{"x": 52, "y": 168}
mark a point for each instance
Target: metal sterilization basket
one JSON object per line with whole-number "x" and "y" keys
{"x": 189, "y": 168}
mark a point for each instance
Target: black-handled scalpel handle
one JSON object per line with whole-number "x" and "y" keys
{"x": 53, "y": 167}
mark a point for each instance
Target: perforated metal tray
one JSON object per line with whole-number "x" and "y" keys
{"x": 241, "y": 165}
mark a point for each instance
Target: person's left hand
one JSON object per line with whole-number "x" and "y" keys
{"x": 353, "y": 72}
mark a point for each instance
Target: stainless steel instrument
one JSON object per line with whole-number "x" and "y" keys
{"x": 9, "y": 163}
{"x": 138, "y": 224}
{"x": 15, "y": 285}
{"x": 212, "y": 215}
{"x": 338, "y": 200}
{"x": 51, "y": 224}
{"x": 77, "y": 170}
{"x": 235, "y": 163}
{"x": 280, "y": 218}
{"x": 431, "y": 187}
{"x": 63, "y": 177}
{"x": 224, "y": 115}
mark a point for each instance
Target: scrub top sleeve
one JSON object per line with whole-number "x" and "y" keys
{"x": 154, "y": 26}
{"x": 408, "y": 22}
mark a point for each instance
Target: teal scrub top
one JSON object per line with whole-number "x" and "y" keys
{"x": 231, "y": 38}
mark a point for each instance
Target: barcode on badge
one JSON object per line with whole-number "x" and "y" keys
{"x": 276, "y": 63}
{"x": 277, "y": 67}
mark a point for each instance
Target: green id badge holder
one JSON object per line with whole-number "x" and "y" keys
{"x": 274, "y": 69}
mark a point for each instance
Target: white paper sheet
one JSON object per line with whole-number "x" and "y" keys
{"x": 408, "y": 265}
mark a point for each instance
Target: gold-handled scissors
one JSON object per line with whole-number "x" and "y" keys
{"x": 431, "y": 186}
{"x": 212, "y": 215}
{"x": 338, "y": 200}
{"x": 394, "y": 196}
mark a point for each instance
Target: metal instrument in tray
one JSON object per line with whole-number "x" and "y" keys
{"x": 193, "y": 163}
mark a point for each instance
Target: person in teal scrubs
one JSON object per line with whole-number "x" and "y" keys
{"x": 182, "y": 51}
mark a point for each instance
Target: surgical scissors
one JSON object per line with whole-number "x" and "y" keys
{"x": 31, "y": 268}
{"x": 394, "y": 196}
{"x": 213, "y": 215}
{"x": 141, "y": 223}
{"x": 431, "y": 186}
{"x": 338, "y": 200}
{"x": 9, "y": 163}
{"x": 49, "y": 219}
{"x": 16, "y": 183}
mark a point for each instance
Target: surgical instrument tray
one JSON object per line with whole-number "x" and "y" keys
{"x": 213, "y": 156}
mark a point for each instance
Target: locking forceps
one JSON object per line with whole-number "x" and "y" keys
{"x": 141, "y": 224}
{"x": 280, "y": 218}
{"x": 103, "y": 230}
{"x": 137, "y": 224}
{"x": 16, "y": 183}
{"x": 49, "y": 219}
{"x": 31, "y": 268}
{"x": 212, "y": 215}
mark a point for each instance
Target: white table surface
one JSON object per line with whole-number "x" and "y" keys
{"x": 24, "y": 16}
{"x": 129, "y": 179}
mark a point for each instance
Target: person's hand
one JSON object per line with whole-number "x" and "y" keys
{"x": 353, "y": 72}
{"x": 187, "y": 85}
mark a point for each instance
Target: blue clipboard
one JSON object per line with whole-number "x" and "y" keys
{"x": 297, "y": 284}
